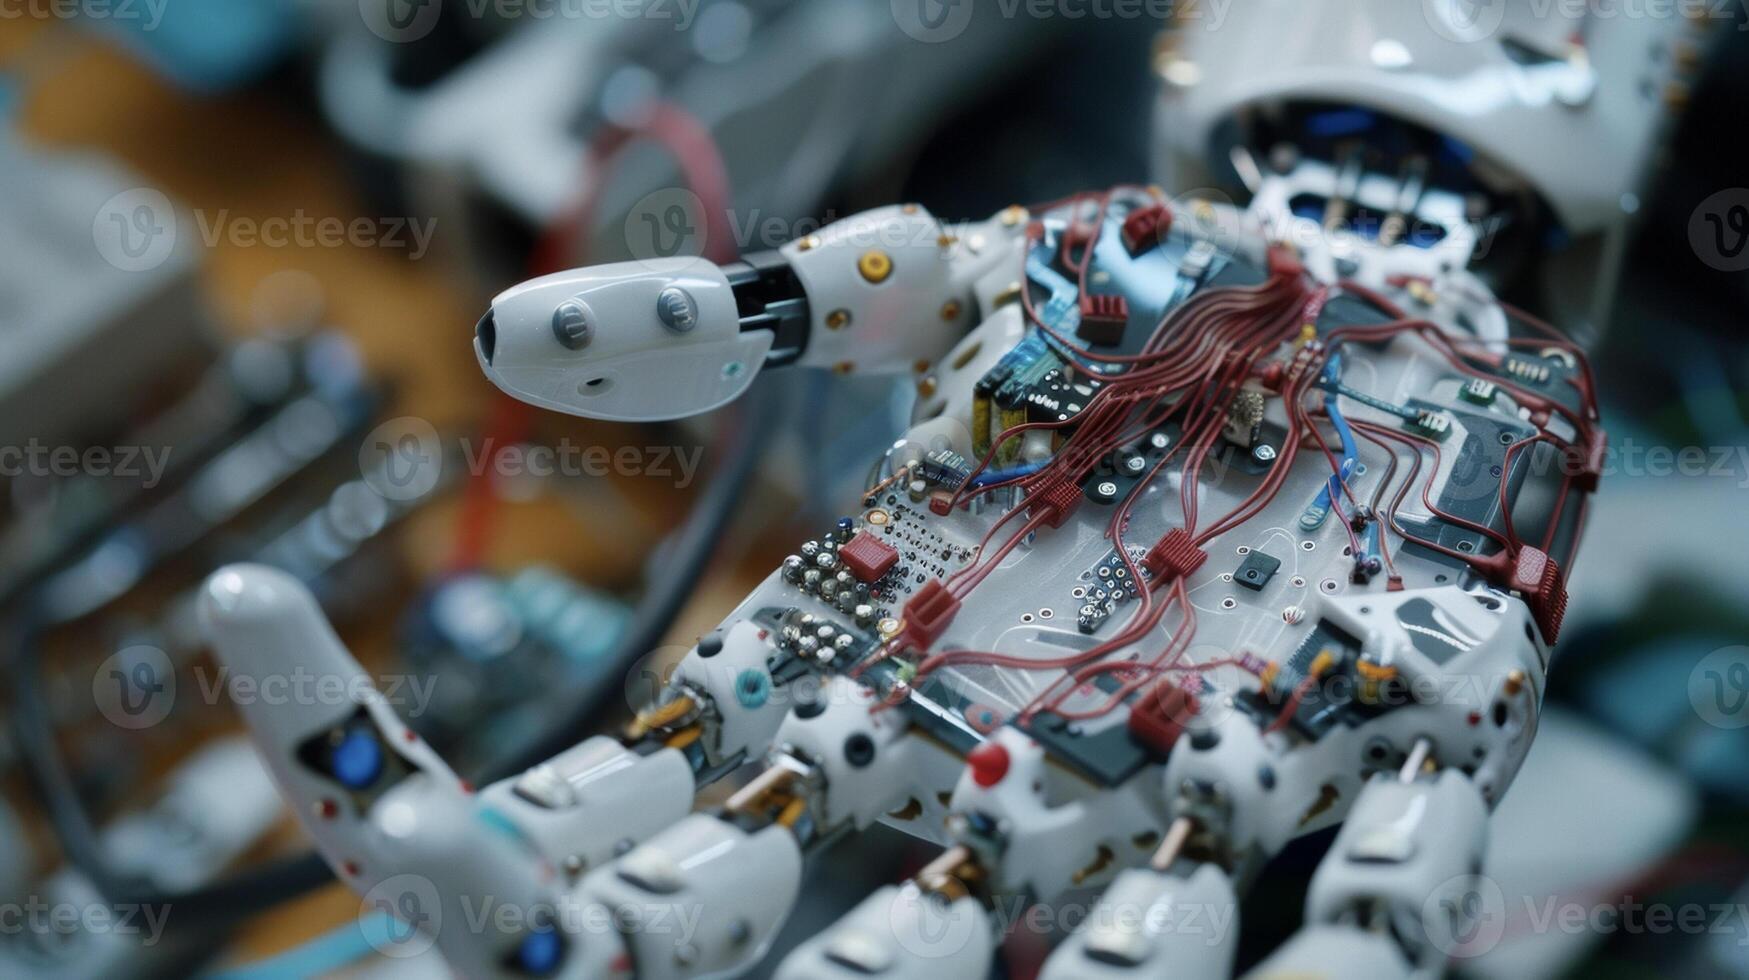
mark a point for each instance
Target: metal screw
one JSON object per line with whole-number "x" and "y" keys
{"x": 676, "y": 308}
{"x": 571, "y": 325}
{"x": 1264, "y": 453}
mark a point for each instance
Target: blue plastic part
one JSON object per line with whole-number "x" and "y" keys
{"x": 540, "y": 952}
{"x": 358, "y": 759}
{"x": 1341, "y": 122}
{"x": 752, "y": 688}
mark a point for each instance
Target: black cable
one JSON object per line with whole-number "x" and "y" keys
{"x": 230, "y": 900}
{"x": 255, "y": 890}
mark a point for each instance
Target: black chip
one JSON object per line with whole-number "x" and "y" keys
{"x": 1257, "y": 570}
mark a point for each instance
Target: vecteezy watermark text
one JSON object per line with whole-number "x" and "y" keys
{"x": 45, "y": 919}
{"x": 569, "y": 459}
{"x": 36, "y": 458}
{"x": 147, "y": 13}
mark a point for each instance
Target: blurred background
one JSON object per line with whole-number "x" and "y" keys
{"x": 243, "y": 244}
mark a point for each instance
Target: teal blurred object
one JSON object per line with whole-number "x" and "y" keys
{"x": 206, "y": 46}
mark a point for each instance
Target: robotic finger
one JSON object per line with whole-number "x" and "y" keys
{"x": 666, "y": 338}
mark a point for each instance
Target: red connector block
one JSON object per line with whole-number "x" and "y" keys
{"x": 1103, "y": 318}
{"x": 1055, "y": 501}
{"x": 928, "y": 614}
{"x": 1284, "y": 262}
{"x": 1146, "y": 228}
{"x": 1160, "y": 716}
{"x": 1537, "y": 578}
{"x": 1174, "y": 556}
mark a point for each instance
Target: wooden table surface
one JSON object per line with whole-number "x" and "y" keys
{"x": 263, "y": 154}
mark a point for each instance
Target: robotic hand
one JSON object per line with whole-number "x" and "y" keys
{"x": 1198, "y": 542}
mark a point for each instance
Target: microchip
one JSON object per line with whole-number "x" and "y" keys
{"x": 1256, "y": 571}
{"x": 867, "y": 557}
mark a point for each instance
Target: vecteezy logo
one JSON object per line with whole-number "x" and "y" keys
{"x": 1719, "y": 230}
{"x": 1718, "y": 687}
{"x": 928, "y": 926}
{"x": 1465, "y": 21}
{"x": 135, "y": 231}
{"x": 135, "y": 688}
{"x": 1465, "y": 916}
{"x": 932, "y": 21}
{"x": 402, "y": 459}
{"x": 666, "y": 224}
{"x": 401, "y": 915}
{"x": 400, "y": 21}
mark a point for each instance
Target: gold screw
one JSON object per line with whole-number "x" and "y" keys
{"x": 926, "y": 386}
{"x": 945, "y": 241}
{"x": 875, "y": 265}
{"x": 1514, "y": 683}
{"x": 950, "y": 310}
{"x": 808, "y": 244}
{"x": 844, "y": 367}
{"x": 909, "y": 209}
{"x": 837, "y": 319}
{"x": 920, "y": 366}
{"x": 1013, "y": 215}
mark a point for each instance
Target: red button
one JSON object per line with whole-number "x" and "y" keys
{"x": 989, "y": 763}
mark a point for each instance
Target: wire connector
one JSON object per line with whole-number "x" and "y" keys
{"x": 1103, "y": 318}
{"x": 1537, "y": 577}
{"x": 1160, "y": 716}
{"x": 928, "y": 614}
{"x": 1055, "y": 502}
{"x": 1146, "y": 228}
{"x": 1174, "y": 556}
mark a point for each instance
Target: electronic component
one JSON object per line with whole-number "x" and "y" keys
{"x": 1256, "y": 570}
{"x": 1108, "y": 586}
{"x": 1431, "y": 423}
{"x": 1524, "y": 369}
{"x": 1480, "y": 391}
{"x": 867, "y": 557}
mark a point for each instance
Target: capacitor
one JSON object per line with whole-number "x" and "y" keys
{"x": 793, "y": 566}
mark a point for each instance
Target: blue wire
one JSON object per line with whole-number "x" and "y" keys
{"x": 1332, "y": 491}
{"x": 988, "y": 477}
{"x": 322, "y": 955}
